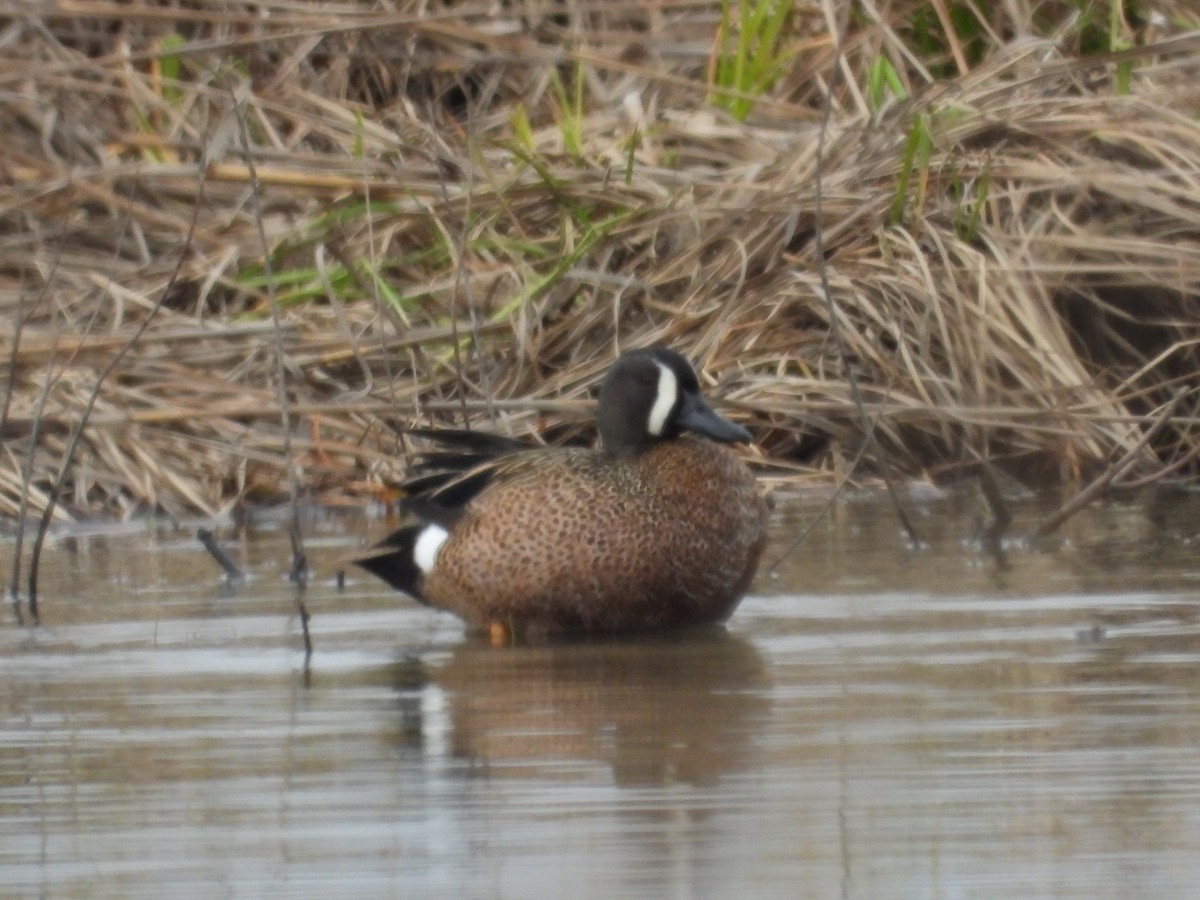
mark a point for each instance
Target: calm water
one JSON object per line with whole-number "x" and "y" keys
{"x": 877, "y": 721}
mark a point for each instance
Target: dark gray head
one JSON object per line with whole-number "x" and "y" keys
{"x": 652, "y": 395}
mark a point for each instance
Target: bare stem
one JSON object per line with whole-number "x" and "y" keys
{"x": 299, "y": 560}
{"x": 68, "y": 455}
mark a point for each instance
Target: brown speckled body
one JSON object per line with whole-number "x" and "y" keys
{"x": 567, "y": 540}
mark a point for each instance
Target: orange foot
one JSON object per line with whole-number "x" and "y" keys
{"x": 499, "y": 635}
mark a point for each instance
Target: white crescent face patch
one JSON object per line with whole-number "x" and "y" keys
{"x": 427, "y": 545}
{"x": 665, "y": 399}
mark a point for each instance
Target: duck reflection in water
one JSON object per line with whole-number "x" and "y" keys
{"x": 677, "y": 708}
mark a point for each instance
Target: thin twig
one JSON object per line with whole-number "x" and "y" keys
{"x": 299, "y": 559}
{"x": 11, "y": 381}
{"x": 831, "y": 304}
{"x": 1098, "y": 486}
{"x": 998, "y": 516}
{"x": 461, "y": 284}
{"x": 298, "y": 574}
{"x": 217, "y": 552}
{"x": 820, "y": 513}
{"x": 38, "y": 417}
{"x": 68, "y": 455}
{"x": 302, "y": 609}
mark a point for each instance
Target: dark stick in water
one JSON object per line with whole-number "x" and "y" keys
{"x": 232, "y": 572}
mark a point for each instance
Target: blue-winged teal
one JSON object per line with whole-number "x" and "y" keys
{"x": 658, "y": 529}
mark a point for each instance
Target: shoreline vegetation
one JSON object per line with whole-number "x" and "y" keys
{"x": 238, "y": 234}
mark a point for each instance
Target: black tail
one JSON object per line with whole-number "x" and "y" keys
{"x": 393, "y": 560}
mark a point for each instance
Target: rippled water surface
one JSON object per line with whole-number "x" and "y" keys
{"x": 876, "y": 721}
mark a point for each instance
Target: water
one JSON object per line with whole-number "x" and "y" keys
{"x": 876, "y": 721}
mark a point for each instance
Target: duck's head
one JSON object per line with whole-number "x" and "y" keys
{"x": 652, "y": 395}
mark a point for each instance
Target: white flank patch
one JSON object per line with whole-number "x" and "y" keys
{"x": 664, "y": 400}
{"x": 429, "y": 542}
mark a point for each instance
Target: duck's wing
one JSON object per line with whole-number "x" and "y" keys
{"x": 475, "y": 443}
{"x": 446, "y": 480}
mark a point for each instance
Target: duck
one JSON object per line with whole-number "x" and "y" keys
{"x": 660, "y": 527}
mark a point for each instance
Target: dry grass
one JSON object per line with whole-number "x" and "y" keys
{"x": 466, "y": 209}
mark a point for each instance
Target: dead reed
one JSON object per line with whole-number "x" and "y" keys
{"x": 460, "y": 211}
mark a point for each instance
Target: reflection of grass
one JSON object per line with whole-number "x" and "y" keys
{"x": 751, "y": 52}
